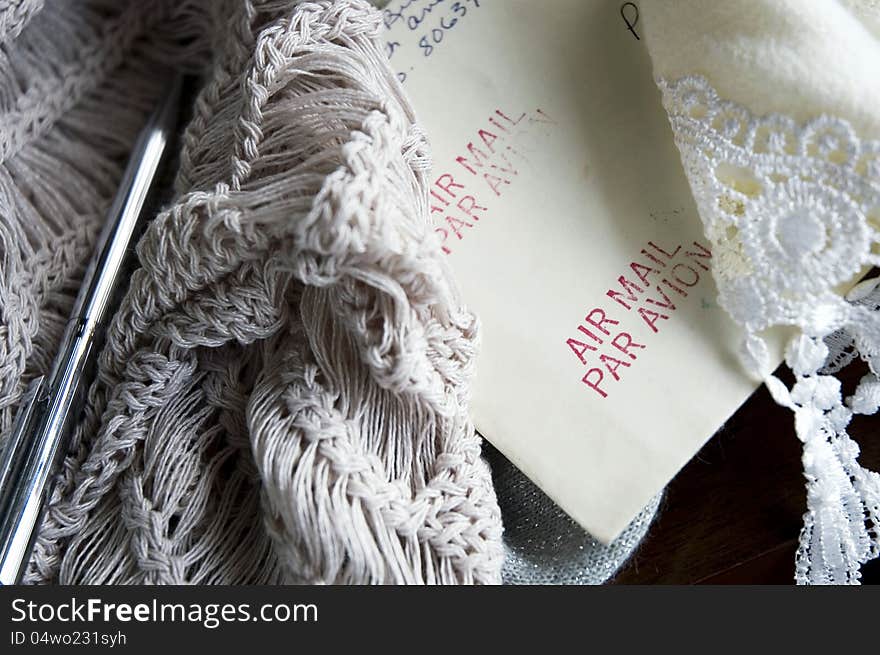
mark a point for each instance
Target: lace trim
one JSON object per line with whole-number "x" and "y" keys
{"x": 793, "y": 213}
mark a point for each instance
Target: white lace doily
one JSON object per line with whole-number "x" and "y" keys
{"x": 793, "y": 213}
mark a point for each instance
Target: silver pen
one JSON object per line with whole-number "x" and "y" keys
{"x": 52, "y": 404}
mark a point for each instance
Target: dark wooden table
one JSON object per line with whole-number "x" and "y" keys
{"x": 733, "y": 514}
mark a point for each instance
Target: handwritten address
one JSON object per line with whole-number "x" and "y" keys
{"x": 425, "y": 24}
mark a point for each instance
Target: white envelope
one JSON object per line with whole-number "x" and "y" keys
{"x": 560, "y": 200}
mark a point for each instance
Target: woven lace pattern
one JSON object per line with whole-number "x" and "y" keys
{"x": 793, "y": 211}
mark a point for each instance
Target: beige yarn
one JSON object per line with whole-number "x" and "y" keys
{"x": 283, "y": 394}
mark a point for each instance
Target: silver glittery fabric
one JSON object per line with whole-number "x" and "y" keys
{"x": 543, "y": 545}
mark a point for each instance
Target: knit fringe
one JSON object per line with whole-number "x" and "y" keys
{"x": 59, "y": 167}
{"x": 283, "y": 395}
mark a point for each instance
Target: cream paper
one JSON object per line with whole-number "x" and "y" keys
{"x": 560, "y": 200}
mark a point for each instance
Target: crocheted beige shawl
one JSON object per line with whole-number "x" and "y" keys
{"x": 283, "y": 393}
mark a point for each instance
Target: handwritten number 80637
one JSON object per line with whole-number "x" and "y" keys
{"x": 429, "y": 42}
{"x": 434, "y": 20}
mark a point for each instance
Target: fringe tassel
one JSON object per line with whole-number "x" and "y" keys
{"x": 292, "y": 339}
